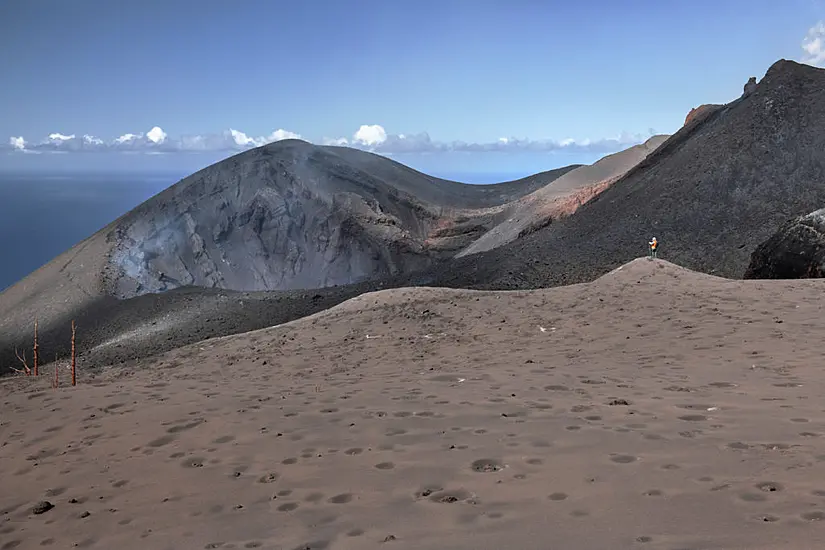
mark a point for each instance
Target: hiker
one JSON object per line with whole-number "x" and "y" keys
{"x": 654, "y": 245}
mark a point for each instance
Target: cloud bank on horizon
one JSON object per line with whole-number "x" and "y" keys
{"x": 372, "y": 138}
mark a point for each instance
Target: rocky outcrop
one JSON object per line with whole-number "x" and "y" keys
{"x": 750, "y": 86}
{"x": 698, "y": 112}
{"x": 795, "y": 251}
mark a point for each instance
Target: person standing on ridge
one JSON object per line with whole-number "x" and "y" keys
{"x": 654, "y": 245}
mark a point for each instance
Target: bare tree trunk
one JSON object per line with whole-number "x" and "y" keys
{"x": 35, "y": 346}
{"x": 74, "y": 375}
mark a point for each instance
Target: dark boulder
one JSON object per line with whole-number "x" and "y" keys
{"x": 796, "y": 251}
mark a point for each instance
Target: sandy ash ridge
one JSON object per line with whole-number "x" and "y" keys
{"x": 652, "y": 408}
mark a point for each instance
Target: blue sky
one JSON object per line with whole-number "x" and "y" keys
{"x": 569, "y": 80}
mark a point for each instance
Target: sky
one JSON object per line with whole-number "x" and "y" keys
{"x": 511, "y": 86}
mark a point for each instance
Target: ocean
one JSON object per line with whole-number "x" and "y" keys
{"x": 43, "y": 215}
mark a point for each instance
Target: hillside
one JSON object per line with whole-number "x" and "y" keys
{"x": 711, "y": 194}
{"x": 654, "y": 407}
{"x": 563, "y": 197}
{"x": 282, "y": 217}
{"x": 291, "y": 215}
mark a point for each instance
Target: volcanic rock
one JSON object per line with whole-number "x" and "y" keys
{"x": 698, "y": 113}
{"x": 750, "y": 86}
{"x": 795, "y": 251}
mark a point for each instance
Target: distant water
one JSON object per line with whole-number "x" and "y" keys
{"x": 43, "y": 215}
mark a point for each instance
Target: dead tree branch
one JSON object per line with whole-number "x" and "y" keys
{"x": 25, "y": 370}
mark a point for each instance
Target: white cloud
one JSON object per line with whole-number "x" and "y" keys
{"x": 371, "y": 135}
{"x": 156, "y": 135}
{"x": 368, "y": 137}
{"x": 242, "y": 140}
{"x": 125, "y": 138}
{"x": 814, "y": 45}
{"x": 279, "y": 135}
{"x": 340, "y": 142}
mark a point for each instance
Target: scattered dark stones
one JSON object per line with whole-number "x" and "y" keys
{"x": 42, "y": 507}
{"x": 769, "y": 487}
{"x": 268, "y": 478}
{"x": 449, "y": 496}
{"x": 193, "y": 463}
{"x": 487, "y": 465}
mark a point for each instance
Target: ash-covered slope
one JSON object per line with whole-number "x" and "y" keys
{"x": 285, "y": 216}
{"x": 711, "y": 193}
{"x": 563, "y": 197}
{"x": 289, "y": 215}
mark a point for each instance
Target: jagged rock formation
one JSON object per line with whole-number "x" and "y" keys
{"x": 795, "y": 251}
{"x": 699, "y": 112}
{"x": 750, "y": 86}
